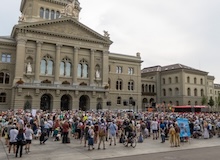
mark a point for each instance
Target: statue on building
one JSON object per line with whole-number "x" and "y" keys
{"x": 106, "y": 34}
{"x": 29, "y": 68}
{"x": 70, "y": 10}
{"x": 97, "y": 74}
{"x": 22, "y": 18}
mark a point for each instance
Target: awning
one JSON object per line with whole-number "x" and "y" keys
{"x": 190, "y": 107}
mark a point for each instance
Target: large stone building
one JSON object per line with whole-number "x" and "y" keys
{"x": 177, "y": 85}
{"x": 52, "y": 61}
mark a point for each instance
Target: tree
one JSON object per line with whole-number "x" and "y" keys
{"x": 211, "y": 102}
{"x": 204, "y": 100}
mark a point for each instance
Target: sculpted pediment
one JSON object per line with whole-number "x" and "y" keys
{"x": 66, "y": 28}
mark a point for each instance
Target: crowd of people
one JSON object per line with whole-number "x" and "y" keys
{"x": 19, "y": 128}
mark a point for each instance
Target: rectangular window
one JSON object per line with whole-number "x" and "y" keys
{"x": 118, "y": 69}
{"x": 6, "y": 58}
{"x": 130, "y": 70}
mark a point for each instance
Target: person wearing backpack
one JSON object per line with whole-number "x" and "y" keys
{"x": 102, "y": 132}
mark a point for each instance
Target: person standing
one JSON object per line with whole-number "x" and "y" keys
{"x": 20, "y": 139}
{"x": 112, "y": 132}
{"x": 102, "y": 133}
{"x": 91, "y": 137}
{"x": 162, "y": 131}
{"x": 172, "y": 133}
{"x": 65, "y": 130}
{"x": 177, "y": 135}
{"x": 154, "y": 126}
{"x": 29, "y": 134}
{"x": 12, "y": 142}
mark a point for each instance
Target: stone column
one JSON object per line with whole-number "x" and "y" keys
{"x": 75, "y": 65}
{"x": 105, "y": 70}
{"x": 37, "y": 62}
{"x": 57, "y": 64}
{"x": 20, "y": 54}
{"x": 92, "y": 67}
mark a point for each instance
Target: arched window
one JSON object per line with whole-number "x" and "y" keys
{"x": 47, "y": 14}
{"x": 119, "y": 100}
{"x": 202, "y": 92}
{"x": 41, "y": 12}
{"x": 195, "y": 92}
{"x": 52, "y": 14}
{"x": 201, "y": 81}
{"x": 146, "y": 89}
{"x": 119, "y": 84}
{"x": 83, "y": 69}
{"x": 196, "y": 103}
{"x": 188, "y": 80}
{"x": 57, "y": 14}
{"x": 177, "y": 80}
{"x": 47, "y": 65}
{"x": 7, "y": 78}
{"x": 195, "y": 80}
{"x": 170, "y": 91}
{"x": 2, "y": 97}
{"x": 164, "y": 92}
{"x": 65, "y": 67}
{"x": 189, "y": 102}
{"x": 131, "y": 85}
{"x": 43, "y": 67}
{"x": 176, "y": 91}
{"x": 50, "y": 67}
{"x": 4, "y": 78}
{"x": 188, "y": 92}
{"x": 68, "y": 69}
{"x": 170, "y": 80}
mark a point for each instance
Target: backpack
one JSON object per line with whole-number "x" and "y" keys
{"x": 102, "y": 132}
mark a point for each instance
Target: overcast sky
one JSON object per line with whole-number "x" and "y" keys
{"x": 164, "y": 31}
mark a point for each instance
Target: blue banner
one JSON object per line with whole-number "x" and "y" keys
{"x": 183, "y": 123}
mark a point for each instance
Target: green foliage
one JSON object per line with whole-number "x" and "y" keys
{"x": 211, "y": 102}
{"x": 204, "y": 100}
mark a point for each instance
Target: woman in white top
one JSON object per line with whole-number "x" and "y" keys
{"x": 29, "y": 134}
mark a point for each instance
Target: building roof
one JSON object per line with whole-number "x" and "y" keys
{"x": 7, "y": 40}
{"x": 168, "y": 68}
{"x": 217, "y": 86}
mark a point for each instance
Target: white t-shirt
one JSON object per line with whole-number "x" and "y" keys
{"x": 13, "y": 135}
{"x": 154, "y": 125}
{"x": 28, "y": 133}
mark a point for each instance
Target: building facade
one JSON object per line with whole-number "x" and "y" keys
{"x": 52, "y": 61}
{"x": 177, "y": 84}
